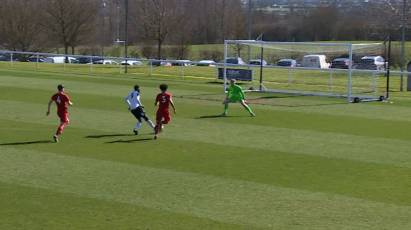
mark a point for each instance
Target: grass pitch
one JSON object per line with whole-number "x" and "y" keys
{"x": 302, "y": 163}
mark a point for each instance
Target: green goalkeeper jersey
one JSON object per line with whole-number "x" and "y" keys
{"x": 235, "y": 93}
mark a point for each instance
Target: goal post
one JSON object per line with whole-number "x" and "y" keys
{"x": 354, "y": 71}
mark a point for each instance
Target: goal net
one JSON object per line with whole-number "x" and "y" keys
{"x": 356, "y": 72}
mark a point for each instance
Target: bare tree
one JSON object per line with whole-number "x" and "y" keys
{"x": 320, "y": 23}
{"x": 70, "y": 21}
{"x": 230, "y": 16}
{"x": 19, "y": 25}
{"x": 158, "y": 18}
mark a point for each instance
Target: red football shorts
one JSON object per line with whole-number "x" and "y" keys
{"x": 163, "y": 117}
{"x": 63, "y": 117}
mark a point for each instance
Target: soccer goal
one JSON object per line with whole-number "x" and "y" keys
{"x": 357, "y": 72}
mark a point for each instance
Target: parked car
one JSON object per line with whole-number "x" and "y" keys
{"x": 8, "y": 57}
{"x": 4, "y": 58}
{"x": 257, "y": 62}
{"x": 88, "y": 60}
{"x": 181, "y": 63}
{"x": 235, "y": 60}
{"x": 315, "y": 61}
{"x": 106, "y": 62}
{"x": 131, "y": 62}
{"x": 39, "y": 59}
{"x": 207, "y": 63}
{"x": 287, "y": 62}
{"x": 340, "y": 63}
{"x": 371, "y": 62}
{"x": 63, "y": 59}
{"x": 159, "y": 63}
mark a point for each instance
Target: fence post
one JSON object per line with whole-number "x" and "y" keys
{"x": 151, "y": 68}
{"x": 409, "y": 76}
{"x": 330, "y": 81}
{"x": 182, "y": 70}
{"x": 90, "y": 70}
{"x": 37, "y": 62}
{"x": 374, "y": 83}
{"x": 64, "y": 64}
{"x": 11, "y": 60}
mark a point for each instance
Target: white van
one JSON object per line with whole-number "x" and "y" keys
{"x": 62, "y": 59}
{"x": 315, "y": 61}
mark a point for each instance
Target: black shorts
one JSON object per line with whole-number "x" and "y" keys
{"x": 139, "y": 113}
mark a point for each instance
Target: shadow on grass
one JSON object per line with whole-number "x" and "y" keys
{"x": 28, "y": 142}
{"x": 129, "y": 141}
{"x": 260, "y": 102}
{"x": 110, "y": 135}
{"x": 277, "y": 96}
{"x": 215, "y": 82}
{"x": 314, "y": 105}
{"x": 217, "y": 116}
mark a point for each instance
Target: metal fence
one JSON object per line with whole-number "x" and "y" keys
{"x": 86, "y": 64}
{"x": 117, "y": 66}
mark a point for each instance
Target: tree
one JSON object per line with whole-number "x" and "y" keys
{"x": 70, "y": 21}
{"x": 19, "y": 25}
{"x": 320, "y": 23}
{"x": 158, "y": 18}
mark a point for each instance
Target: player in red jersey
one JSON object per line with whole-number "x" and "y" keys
{"x": 62, "y": 101}
{"x": 163, "y": 100}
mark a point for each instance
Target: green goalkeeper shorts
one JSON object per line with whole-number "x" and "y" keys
{"x": 235, "y": 99}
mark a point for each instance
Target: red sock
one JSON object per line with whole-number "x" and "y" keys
{"x": 61, "y": 127}
{"x": 158, "y": 128}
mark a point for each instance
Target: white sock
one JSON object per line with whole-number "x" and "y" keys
{"x": 138, "y": 126}
{"x": 151, "y": 123}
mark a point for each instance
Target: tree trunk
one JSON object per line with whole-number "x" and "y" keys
{"x": 159, "y": 46}
{"x": 66, "y": 47}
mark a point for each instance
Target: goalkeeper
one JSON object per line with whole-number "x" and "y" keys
{"x": 235, "y": 94}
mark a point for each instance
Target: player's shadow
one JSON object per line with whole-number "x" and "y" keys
{"x": 215, "y": 116}
{"x": 210, "y": 116}
{"x": 110, "y": 135}
{"x": 27, "y": 142}
{"x": 129, "y": 141}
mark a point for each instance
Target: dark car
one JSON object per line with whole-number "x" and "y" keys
{"x": 4, "y": 58}
{"x": 88, "y": 60}
{"x": 84, "y": 60}
{"x": 8, "y": 57}
{"x": 372, "y": 63}
{"x": 39, "y": 59}
{"x": 235, "y": 60}
{"x": 340, "y": 63}
{"x": 159, "y": 63}
{"x": 257, "y": 62}
{"x": 181, "y": 63}
{"x": 287, "y": 62}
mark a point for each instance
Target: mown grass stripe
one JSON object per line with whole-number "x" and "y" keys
{"x": 351, "y": 125}
{"x": 294, "y": 147}
{"x": 317, "y": 143}
{"x": 306, "y": 172}
{"x": 229, "y": 201}
{"x": 26, "y": 207}
{"x": 97, "y": 86}
{"x": 94, "y": 88}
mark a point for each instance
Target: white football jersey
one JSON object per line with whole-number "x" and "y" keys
{"x": 133, "y": 99}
